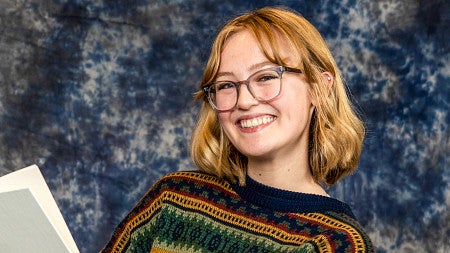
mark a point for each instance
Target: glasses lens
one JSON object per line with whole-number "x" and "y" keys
{"x": 265, "y": 84}
{"x": 223, "y": 95}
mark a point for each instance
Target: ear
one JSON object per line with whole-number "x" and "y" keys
{"x": 328, "y": 81}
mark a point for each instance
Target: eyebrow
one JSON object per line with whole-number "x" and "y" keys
{"x": 252, "y": 67}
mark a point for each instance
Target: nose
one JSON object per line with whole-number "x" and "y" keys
{"x": 245, "y": 97}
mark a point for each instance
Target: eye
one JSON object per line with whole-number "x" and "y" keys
{"x": 266, "y": 77}
{"x": 224, "y": 85}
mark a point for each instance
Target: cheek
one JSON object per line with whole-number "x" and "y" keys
{"x": 223, "y": 117}
{"x": 226, "y": 125}
{"x": 225, "y": 121}
{"x": 297, "y": 106}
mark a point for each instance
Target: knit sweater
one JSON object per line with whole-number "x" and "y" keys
{"x": 197, "y": 212}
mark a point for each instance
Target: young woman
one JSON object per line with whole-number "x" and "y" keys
{"x": 275, "y": 128}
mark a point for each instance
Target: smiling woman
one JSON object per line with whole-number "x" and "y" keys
{"x": 265, "y": 148}
{"x": 267, "y": 39}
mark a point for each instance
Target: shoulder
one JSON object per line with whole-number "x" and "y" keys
{"x": 190, "y": 183}
{"x": 334, "y": 232}
{"x": 185, "y": 190}
{"x": 192, "y": 177}
{"x": 189, "y": 175}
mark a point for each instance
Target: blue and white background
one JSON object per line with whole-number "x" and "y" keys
{"x": 99, "y": 95}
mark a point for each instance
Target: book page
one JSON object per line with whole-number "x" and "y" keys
{"x": 24, "y": 227}
{"x": 24, "y": 194}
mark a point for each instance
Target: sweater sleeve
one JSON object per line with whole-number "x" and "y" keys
{"x": 143, "y": 211}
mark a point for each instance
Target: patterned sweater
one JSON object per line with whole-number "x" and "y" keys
{"x": 197, "y": 212}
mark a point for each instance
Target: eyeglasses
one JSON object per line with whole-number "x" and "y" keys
{"x": 264, "y": 85}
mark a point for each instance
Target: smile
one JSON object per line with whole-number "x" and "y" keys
{"x": 255, "y": 122}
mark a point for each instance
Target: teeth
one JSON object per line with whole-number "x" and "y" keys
{"x": 256, "y": 121}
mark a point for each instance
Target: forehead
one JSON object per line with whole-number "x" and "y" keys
{"x": 254, "y": 50}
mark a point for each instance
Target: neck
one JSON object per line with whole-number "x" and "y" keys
{"x": 287, "y": 175}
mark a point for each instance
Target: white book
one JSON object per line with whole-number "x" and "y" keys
{"x": 30, "y": 220}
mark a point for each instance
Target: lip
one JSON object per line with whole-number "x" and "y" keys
{"x": 254, "y": 123}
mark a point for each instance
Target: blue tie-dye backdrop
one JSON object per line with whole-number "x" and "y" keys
{"x": 99, "y": 95}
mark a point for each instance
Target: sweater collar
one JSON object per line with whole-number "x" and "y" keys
{"x": 288, "y": 201}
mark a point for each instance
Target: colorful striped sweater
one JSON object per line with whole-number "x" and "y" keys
{"x": 197, "y": 212}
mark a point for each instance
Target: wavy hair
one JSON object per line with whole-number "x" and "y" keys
{"x": 336, "y": 132}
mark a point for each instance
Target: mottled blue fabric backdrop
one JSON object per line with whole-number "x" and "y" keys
{"x": 99, "y": 95}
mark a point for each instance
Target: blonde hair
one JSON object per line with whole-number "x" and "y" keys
{"x": 336, "y": 133}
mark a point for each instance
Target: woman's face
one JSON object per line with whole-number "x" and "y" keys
{"x": 260, "y": 130}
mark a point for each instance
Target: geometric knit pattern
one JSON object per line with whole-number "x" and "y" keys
{"x": 198, "y": 212}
